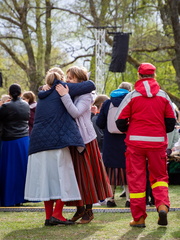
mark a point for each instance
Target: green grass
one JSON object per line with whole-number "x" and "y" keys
{"x": 106, "y": 226}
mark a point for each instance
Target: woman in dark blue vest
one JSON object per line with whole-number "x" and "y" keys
{"x": 50, "y": 174}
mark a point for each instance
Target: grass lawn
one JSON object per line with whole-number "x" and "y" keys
{"x": 111, "y": 225}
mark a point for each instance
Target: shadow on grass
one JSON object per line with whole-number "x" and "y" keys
{"x": 62, "y": 232}
{"x": 133, "y": 233}
{"x": 138, "y": 233}
{"x": 158, "y": 234}
{"x": 176, "y": 234}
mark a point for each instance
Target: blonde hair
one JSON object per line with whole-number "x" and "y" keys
{"x": 5, "y": 97}
{"x": 59, "y": 71}
{"x": 53, "y": 73}
{"x": 80, "y": 73}
{"x": 30, "y": 96}
{"x": 126, "y": 85}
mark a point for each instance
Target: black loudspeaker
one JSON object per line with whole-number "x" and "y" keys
{"x": 1, "y": 80}
{"x": 119, "y": 52}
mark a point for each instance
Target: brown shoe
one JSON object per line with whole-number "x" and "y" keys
{"x": 87, "y": 217}
{"x": 140, "y": 223}
{"x": 77, "y": 216}
{"x": 162, "y": 210}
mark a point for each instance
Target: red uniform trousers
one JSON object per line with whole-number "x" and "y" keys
{"x": 136, "y": 159}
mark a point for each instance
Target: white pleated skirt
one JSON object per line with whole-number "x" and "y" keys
{"x": 50, "y": 175}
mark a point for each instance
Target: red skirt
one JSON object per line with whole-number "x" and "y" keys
{"x": 117, "y": 176}
{"x": 91, "y": 175}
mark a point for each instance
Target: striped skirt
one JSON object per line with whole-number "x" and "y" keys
{"x": 91, "y": 175}
{"x": 117, "y": 176}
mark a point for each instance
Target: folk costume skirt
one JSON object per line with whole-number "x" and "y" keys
{"x": 117, "y": 176}
{"x": 50, "y": 175}
{"x": 13, "y": 167}
{"x": 91, "y": 175}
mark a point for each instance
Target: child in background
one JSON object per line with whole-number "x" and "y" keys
{"x": 30, "y": 98}
{"x": 98, "y": 103}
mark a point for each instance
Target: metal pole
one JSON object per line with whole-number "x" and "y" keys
{"x": 100, "y": 59}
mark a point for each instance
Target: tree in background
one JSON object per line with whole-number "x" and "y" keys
{"x": 26, "y": 37}
{"x": 155, "y": 35}
{"x": 40, "y": 34}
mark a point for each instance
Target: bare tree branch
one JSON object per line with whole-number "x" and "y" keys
{"x": 12, "y": 37}
{"x": 158, "y": 48}
{"x": 74, "y": 13}
{"x": 14, "y": 56}
{"x": 76, "y": 58}
{"x": 10, "y": 20}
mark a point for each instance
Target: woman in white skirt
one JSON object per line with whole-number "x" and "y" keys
{"x": 50, "y": 174}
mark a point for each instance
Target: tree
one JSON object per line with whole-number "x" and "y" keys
{"x": 20, "y": 35}
{"x": 31, "y": 30}
{"x": 142, "y": 18}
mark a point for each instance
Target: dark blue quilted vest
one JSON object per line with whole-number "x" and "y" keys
{"x": 54, "y": 128}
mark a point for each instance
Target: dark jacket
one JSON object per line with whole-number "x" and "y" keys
{"x": 54, "y": 128}
{"x": 14, "y": 116}
{"x": 113, "y": 144}
{"x": 32, "y": 114}
{"x": 99, "y": 132}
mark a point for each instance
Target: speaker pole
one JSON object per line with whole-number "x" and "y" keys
{"x": 100, "y": 50}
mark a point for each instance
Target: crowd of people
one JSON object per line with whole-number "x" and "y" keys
{"x": 69, "y": 148}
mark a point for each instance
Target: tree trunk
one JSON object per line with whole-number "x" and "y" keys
{"x": 174, "y": 4}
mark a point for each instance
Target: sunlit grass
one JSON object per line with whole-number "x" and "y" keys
{"x": 106, "y": 226}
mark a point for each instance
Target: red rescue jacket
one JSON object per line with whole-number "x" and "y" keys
{"x": 146, "y": 115}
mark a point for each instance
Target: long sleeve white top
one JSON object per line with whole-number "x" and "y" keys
{"x": 80, "y": 110}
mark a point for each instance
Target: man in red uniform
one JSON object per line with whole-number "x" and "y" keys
{"x": 146, "y": 115}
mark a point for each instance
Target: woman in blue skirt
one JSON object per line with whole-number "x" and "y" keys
{"x": 14, "y": 116}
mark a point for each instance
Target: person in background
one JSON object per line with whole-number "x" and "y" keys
{"x": 147, "y": 115}
{"x": 50, "y": 174}
{"x": 114, "y": 145}
{"x": 173, "y": 152}
{"x": 92, "y": 179}
{"x": 5, "y": 98}
{"x": 30, "y": 98}
{"x": 99, "y": 132}
{"x": 174, "y": 136}
{"x": 14, "y": 115}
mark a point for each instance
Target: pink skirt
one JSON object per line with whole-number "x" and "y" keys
{"x": 91, "y": 175}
